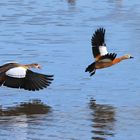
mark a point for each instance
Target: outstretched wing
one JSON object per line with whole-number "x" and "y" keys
{"x": 31, "y": 81}
{"x": 36, "y": 81}
{"x": 98, "y": 43}
{"x": 108, "y": 57}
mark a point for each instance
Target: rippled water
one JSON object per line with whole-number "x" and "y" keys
{"x": 57, "y": 34}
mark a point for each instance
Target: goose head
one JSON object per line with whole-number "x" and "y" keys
{"x": 127, "y": 56}
{"x": 36, "y": 65}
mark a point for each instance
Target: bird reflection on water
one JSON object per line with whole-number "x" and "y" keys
{"x": 24, "y": 119}
{"x": 71, "y": 2}
{"x": 103, "y": 118}
{"x": 26, "y": 108}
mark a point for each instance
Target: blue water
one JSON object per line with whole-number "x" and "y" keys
{"x": 57, "y": 35}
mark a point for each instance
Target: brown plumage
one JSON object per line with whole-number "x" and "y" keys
{"x": 103, "y": 59}
{"x": 16, "y": 75}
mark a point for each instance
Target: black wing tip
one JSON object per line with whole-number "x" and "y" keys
{"x": 98, "y": 31}
{"x": 50, "y": 77}
{"x": 98, "y": 37}
{"x": 101, "y": 29}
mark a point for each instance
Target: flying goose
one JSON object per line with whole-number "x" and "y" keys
{"x": 103, "y": 59}
{"x": 17, "y": 75}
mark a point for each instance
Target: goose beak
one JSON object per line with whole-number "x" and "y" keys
{"x": 131, "y": 57}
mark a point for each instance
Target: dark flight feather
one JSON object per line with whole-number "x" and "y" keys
{"x": 98, "y": 39}
{"x": 32, "y": 81}
{"x": 110, "y": 56}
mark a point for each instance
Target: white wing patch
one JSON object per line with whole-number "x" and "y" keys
{"x": 17, "y": 72}
{"x": 103, "y": 50}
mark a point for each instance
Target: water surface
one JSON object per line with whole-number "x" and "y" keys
{"x": 57, "y": 35}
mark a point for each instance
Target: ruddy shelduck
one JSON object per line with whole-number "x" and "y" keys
{"x": 17, "y": 75}
{"x": 103, "y": 59}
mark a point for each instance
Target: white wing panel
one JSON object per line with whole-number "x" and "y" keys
{"x": 17, "y": 72}
{"x": 103, "y": 50}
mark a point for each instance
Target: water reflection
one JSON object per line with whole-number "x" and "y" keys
{"x": 103, "y": 120}
{"x": 25, "y": 121}
{"x": 72, "y": 2}
{"x": 26, "y": 108}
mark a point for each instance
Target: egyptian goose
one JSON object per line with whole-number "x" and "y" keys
{"x": 17, "y": 75}
{"x": 103, "y": 59}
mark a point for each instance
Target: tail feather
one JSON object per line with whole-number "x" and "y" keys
{"x": 91, "y": 69}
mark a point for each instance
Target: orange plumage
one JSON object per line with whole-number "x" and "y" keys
{"x": 103, "y": 59}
